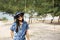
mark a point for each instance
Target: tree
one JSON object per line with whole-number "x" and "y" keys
{"x": 57, "y": 7}
{"x": 42, "y": 7}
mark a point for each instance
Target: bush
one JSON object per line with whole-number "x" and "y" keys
{"x": 4, "y": 18}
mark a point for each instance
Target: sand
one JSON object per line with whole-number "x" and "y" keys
{"x": 37, "y": 31}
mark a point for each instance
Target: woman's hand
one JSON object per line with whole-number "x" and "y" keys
{"x": 27, "y": 35}
{"x": 11, "y": 32}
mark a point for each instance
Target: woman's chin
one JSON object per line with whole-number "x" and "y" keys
{"x": 20, "y": 20}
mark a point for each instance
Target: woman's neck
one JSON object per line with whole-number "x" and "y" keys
{"x": 20, "y": 22}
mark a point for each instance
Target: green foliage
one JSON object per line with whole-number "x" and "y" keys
{"x": 42, "y": 7}
{"x": 57, "y": 7}
{"x": 4, "y": 18}
{"x": 11, "y": 6}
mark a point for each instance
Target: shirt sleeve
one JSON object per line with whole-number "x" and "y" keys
{"x": 27, "y": 27}
{"x": 12, "y": 28}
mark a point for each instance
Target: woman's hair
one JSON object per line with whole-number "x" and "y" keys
{"x": 17, "y": 24}
{"x": 17, "y": 21}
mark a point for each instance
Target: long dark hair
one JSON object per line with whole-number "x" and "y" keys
{"x": 18, "y": 24}
{"x": 17, "y": 21}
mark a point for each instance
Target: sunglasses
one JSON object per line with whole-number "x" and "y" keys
{"x": 19, "y": 16}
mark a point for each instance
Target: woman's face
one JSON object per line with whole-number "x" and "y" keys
{"x": 20, "y": 18}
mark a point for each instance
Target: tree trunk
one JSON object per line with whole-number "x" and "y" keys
{"x": 59, "y": 19}
{"x": 30, "y": 20}
{"x": 52, "y": 20}
{"x": 44, "y": 17}
{"x": 44, "y": 20}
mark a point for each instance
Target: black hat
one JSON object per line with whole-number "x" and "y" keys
{"x": 18, "y": 14}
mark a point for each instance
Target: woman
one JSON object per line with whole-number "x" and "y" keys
{"x": 19, "y": 28}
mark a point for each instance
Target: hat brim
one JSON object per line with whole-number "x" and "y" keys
{"x": 19, "y": 14}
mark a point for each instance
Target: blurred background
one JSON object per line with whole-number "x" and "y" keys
{"x": 43, "y": 17}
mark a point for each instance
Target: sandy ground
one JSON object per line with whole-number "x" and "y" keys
{"x": 38, "y": 31}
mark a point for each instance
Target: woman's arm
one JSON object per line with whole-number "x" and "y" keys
{"x": 11, "y": 32}
{"x": 27, "y": 35}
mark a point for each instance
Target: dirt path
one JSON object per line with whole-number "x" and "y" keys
{"x": 38, "y": 31}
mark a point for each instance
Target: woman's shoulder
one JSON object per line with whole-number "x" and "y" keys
{"x": 14, "y": 23}
{"x": 25, "y": 22}
{"x": 13, "y": 26}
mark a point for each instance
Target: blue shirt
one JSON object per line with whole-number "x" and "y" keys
{"x": 20, "y": 35}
